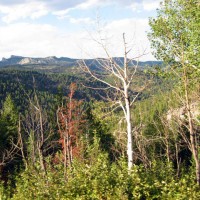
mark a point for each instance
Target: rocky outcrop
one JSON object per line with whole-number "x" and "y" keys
{"x": 181, "y": 113}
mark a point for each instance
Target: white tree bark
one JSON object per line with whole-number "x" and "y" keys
{"x": 129, "y": 130}
{"x": 122, "y": 80}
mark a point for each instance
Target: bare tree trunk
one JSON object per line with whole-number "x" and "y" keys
{"x": 167, "y": 151}
{"x": 167, "y": 143}
{"x": 41, "y": 138}
{"x": 128, "y": 109}
{"x": 69, "y": 151}
{"x": 129, "y": 132}
{"x": 21, "y": 143}
{"x": 177, "y": 160}
{"x": 193, "y": 134}
{"x": 41, "y": 159}
{"x": 65, "y": 155}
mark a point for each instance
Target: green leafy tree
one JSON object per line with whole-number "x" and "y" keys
{"x": 176, "y": 40}
{"x": 175, "y": 32}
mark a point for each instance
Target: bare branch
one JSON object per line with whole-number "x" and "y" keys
{"x": 99, "y": 79}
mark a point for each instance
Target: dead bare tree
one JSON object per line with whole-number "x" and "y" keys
{"x": 118, "y": 80}
{"x": 37, "y": 131}
{"x": 7, "y": 155}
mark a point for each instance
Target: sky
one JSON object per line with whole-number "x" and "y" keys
{"x": 73, "y": 28}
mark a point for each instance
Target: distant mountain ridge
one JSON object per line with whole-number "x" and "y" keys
{"x": 51, "y": 60}
{"x": 62, "y": 61}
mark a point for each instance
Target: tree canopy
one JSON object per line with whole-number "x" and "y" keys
{"x": 175, "y": 32}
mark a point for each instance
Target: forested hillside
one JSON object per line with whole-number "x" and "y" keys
{"x": 113, "y": 129}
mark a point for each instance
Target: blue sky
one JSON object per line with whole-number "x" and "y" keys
{"x": 41, "y": 28}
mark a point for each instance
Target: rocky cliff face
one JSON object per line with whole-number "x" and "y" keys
{"x": 181, "y": 113}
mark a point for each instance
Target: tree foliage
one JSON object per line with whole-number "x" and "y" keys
{"x": 176, "y": 39}
{"x": 174, "y": 32}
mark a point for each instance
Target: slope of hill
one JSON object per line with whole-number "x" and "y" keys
{"x": 53, "y": 61}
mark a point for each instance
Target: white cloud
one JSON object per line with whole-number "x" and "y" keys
{"x": 136, "y": 37}
{"x": 14, "y": 10}
{"x": 31, "y": 10}
{"x": 81, "y": 20}
{"x": 112, "y": 37}
{"x": 136, "y": 6}
{"x": 56, "y": 4}
{"x": 39, "y": 40}
{"x": 149, "y": 5}
{"x": 36, "y": 40}
{"x": 62, "y": 14}
{"x": 88, "y": 4}
{"x": 85, "y": 20}
{"x": 45, "y": 40}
